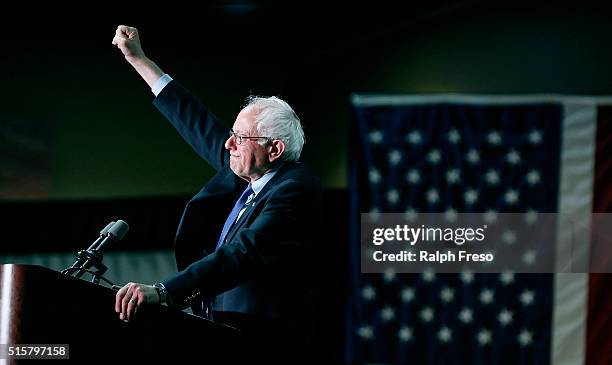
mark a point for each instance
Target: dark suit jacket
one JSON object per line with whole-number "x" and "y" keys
{"x": 265, "y": 265}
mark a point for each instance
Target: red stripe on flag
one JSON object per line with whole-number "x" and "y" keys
{"x": 599, "y": 319}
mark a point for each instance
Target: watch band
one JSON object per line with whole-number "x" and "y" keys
{"x": 162, "y": 292}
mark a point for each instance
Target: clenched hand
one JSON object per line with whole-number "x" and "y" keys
{"x": 127, "y": 40}
{"x": 129, "y": 298}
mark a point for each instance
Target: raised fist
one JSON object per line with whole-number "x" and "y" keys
{"x": 127, "y": 40}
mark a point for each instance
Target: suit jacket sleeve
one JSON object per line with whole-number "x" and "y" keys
{"x": 199, "y": 128}
{"x": 273, "y": 243}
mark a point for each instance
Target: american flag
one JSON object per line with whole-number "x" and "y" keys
{"x": 474, "y": 154}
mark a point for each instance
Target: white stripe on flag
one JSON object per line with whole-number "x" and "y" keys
{"x": 575, "y": 200}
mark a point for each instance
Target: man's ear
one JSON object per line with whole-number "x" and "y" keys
{"x": 276, "y": 148}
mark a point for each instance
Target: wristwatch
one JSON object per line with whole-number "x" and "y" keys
{"x": 162, "y": 292}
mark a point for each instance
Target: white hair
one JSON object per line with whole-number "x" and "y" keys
{"x": 277, "y": 120}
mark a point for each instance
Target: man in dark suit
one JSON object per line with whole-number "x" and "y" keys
{"x": 245, "y": 241}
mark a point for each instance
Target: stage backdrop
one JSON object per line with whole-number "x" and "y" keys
{"x": 24, "y": 158}
{"x": 479, "y": 154}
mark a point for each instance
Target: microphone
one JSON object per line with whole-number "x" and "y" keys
{"x": 115, "y": 234}
{"x": 103, "y": 234}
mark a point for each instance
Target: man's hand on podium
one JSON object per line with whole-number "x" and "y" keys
{"x": 129, "y": 298}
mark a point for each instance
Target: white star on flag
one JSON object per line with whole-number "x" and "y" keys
{"x": 531, "y": 216}
{"x": 376, "y": 137}
{"x": 374, "y": 176}
{"x": 389, "y": 275}
{"x": 426, "y": 314}
{"x": 525, "y": 338}
{"x": 413, "y": 176}
{"x": 447, "y": 295}
{"x": 407, "y": 294}
{"x": 428, "y": 275}
{"x": 453, "y": 136}
{"x": 511, "y": 197}
{"x": 445, "y": 334}
{"x": 387, "y": 314}
{"x": 492, "y": 177}
{"x": 532, "y": 177}
{"x": 490, "y": 216}
{"x": 507, "y": 277}
{"x": 494, "y": 138}
{"x": 486, "y": 296}
{"x": 395, "y": 157}
{"x": 473, "y": 157}
{"x": 414, "y": 138}
{"x": 467, "y": 277}
{"x": 434, "y": 157}
{"x": 450, "y": 215}
{"x": 452, "y": 176}
{"x": 393, "y": 196}
{"x": 374, "y": 214}
{"x": 484, "y": 337}
{"x": 432, "y": 196}
{"x": 513, "y": 157}
{"x": 535, "y": 137}
{"x": 505, "y": 317}
{"x": 527, "y": 297}
{"x": 529, "y": 257}
{"x": 470, "y": 196}
{"x": 466, "y": 315}
{"x": 368, "y": 293}
{"x": 405, "y": 334}
{"x": 365, "y": 332}
{"x": 509, "y": 237}
{"x": 411, "y": 214}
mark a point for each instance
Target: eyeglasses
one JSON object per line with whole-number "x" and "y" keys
{"x": 238, "y": 138}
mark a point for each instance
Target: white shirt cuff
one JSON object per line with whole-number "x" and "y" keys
{"x": 161, "y": 84}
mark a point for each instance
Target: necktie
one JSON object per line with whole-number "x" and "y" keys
{"x": 246, "y": 197}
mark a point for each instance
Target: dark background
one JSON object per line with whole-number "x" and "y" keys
{"x": 111, "y": 155}
{"x": 106, "y": 140}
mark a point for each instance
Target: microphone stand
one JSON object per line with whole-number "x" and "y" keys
{"x": 92, "y": 256}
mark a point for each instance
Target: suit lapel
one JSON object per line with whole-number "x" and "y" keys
{"x": 198, "y": 230}
{"x": 260, "y": 197}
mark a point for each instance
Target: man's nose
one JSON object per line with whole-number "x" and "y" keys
{"x": 230, "y": 143}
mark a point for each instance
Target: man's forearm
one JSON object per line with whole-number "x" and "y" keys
{"x": 147, "y": 69}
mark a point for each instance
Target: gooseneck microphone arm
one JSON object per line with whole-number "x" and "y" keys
{"x": 103, "y": 233}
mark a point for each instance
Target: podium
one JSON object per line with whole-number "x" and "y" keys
{"x": 43, "y": 306}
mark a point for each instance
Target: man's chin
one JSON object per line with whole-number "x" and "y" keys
{"x": 234, "y": 169}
